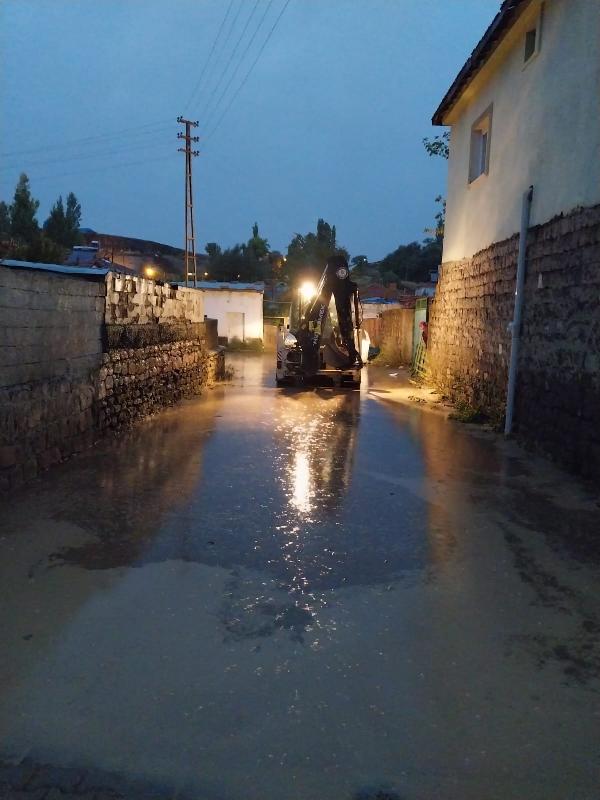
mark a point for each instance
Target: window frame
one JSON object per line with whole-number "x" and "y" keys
{"x": 482, "y": 127}
{"x": 537, "y": 27}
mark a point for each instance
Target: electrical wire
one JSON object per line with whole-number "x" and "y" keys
{"x": 247, "y": 75}
{"x": 159, "y": 125}
{"x": 227, "y": 37}
{"x": 241, "y": 59}
{"x": 90, "y": 156}
{"x": 231, "y": 57}
{"x": 208, "y": 59}
{"x": 114, "y": 165}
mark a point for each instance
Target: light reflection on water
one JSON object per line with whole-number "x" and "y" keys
{"x": 316, "y": 433}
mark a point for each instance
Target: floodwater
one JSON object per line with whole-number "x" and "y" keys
{"x": 269, "y": 594}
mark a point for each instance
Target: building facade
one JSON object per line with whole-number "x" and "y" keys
{"x": 524, "y": 111}
{"x": 237, "y": 307}
{"x": 527, "y": 114}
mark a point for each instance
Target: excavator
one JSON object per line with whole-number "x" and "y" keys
{"x": 326, "y": 343}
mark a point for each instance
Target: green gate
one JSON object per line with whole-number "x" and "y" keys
{"x": 420, "y": 316}
{"x": 419, "y": 348}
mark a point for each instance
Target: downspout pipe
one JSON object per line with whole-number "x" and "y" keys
{"x": 515, "y": 326}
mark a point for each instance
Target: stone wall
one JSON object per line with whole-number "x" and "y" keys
{"x": 132, "y": 300}
{"x": 133, "y": 383}
{"x": 558, "y": 393}
{"x": 81, "y": 354}
{"x": 50, "y": 349}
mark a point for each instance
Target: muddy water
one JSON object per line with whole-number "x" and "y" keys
{"x": 276, "y": 595}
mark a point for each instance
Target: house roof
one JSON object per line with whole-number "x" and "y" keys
{"x": 230, "y": 286}
{"x": 93, "y": 271}
{"x": 509, "y": 11}
{"x": 379, "y": 301}
{"x": 101, "y": 270}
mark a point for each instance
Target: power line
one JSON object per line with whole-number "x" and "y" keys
{"x": 231, "y": 57}
{"x": 73, "y": 142}
{"x": 90, "y": 155}
{"x": 231, "y": 27}
{"x": 114, "y": 165}
{"x": 247, "y": 75}
{"x": 208, "y": 60}
{"x": 240, "y": 61}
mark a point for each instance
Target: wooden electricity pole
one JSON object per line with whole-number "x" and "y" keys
{"x": 190, "y": 241}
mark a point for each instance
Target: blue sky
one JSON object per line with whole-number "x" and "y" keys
{"x": 329, "y": 122}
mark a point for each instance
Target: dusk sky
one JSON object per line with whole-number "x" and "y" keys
{"x": 329, "y": 122}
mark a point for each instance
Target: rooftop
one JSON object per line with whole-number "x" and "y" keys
{"x": 230, "y": 286}
{"x": 509, "y": 11}
{"x": 65, "y": 270}
{"x": 95, "y": 271}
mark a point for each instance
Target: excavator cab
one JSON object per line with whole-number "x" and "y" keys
{"x": 325, "y": 342}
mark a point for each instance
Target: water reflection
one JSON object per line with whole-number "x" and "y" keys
{"x": 317, "y": 434}
{"x": 122, "y": 492}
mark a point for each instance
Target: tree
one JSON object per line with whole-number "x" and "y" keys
{"x": 440, "y": 221}
{"x": 213, "y": 250}
{"x": 439, "y": 146}
{"x": 307, "y": 255}
{"x": 411, "y": 262}
{"x": 23, "y": 224}
{"x": 73, "y": 220}
{"x": 63, "y": 226}
{"x": 44, "y": 250}
{"x": 258, "y": 246}
{"x": 55, "y": 226}
{"x": 4, "y": 220}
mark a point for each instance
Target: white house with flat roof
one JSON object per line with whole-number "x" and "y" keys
{"x": 524, "y": 110}
{"x": 237, "y": 307}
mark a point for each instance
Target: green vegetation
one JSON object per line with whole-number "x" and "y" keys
{"x": 63, "y": 226}
{"x": 20, "y": 234}
{"x": 307, "y": 254}
{"x": 242, "y": 262}
{"x": 465, "y": 412}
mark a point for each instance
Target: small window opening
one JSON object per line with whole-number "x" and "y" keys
{"x": 530, "y": 44}
{"x": 479, "y": 161}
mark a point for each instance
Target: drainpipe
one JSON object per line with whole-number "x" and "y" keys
{"x": 515, "y": 326}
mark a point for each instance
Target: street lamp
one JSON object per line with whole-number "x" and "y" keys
{"x": 149, "y": 272}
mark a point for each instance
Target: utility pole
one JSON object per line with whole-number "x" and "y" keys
{"x": 190, "y": 241}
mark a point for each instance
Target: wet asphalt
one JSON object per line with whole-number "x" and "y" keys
{"x": 269, "y": 594}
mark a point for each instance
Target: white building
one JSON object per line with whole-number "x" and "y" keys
{"x": 237, "y": 307}
{"x": 524, "y": 110}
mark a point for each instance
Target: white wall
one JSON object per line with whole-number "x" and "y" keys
{"x": 218, "y": 302}
{"x": 545, "y": 129}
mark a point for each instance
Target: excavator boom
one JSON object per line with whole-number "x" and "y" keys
{"x": 326, "y": 344}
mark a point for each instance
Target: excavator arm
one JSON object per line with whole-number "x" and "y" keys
{"x": 340, "y": 345}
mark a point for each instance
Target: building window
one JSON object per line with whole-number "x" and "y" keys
{"x": 530, "y": 44}
{"x": 481, "y": 132}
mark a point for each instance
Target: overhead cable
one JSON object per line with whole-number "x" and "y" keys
{"x": 208, "y": 59}
{"x": 247, "y": 75}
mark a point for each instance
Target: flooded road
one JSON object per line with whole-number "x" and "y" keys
{"x": 277, "y": 595}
